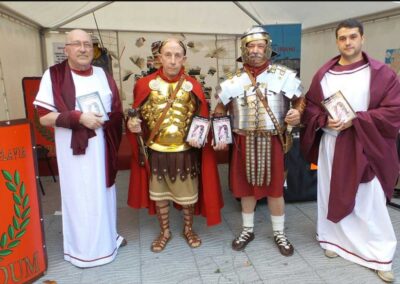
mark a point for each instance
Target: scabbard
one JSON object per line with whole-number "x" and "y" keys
{"x": 143, "y": 157}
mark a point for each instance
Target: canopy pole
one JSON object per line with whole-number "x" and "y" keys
{"x": 247, "y": 12}
{"x": 81, "y": 15}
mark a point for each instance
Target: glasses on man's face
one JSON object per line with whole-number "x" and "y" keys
{"x": 78, "y": 44}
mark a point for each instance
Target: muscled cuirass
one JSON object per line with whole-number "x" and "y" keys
{"x": 171, "y": 135}
{"x": 277, "y": 84}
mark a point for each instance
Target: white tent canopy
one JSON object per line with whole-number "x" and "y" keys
{"x": 211, "y": 17}
{"x": 29, "y": 43}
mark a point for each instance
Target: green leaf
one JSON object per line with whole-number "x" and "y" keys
{"x": 13, "y": 244}
{"x": 26, "y": 201}
{"x": 16, "y": 177}
{"x": 17, "y": 211}
{"x": 3, "y": 240}
{"x": 22, "y": 190}
{"x": 24, "y": 223}
{"x": 7, "y": 175}
{"x": 20, "y": 234}
{"x": 15, "y": 223}
{"x": 11, "y": 187}
{"x": 26, "y": 212}
{"x": 17, "y": 199}
{"x": 11, "y": 232}
{"x": 5, "y": 252}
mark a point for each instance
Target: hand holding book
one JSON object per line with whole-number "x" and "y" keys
{"x": 338, "y": 107}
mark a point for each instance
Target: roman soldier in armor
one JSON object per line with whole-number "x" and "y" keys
{"x": 172, "y": 169}
{"x": 264, "y": 102}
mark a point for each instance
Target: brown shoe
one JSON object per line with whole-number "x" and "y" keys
{"x": 123, "y": 243}
{"x": 285, "y": 247}
{"x": 240, "y": 242}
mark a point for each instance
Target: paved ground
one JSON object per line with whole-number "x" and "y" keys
{"x": 214, "y": 261}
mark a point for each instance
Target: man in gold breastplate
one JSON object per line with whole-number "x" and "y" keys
{"x": 171, "y": 169}
{"x": 262, "y": 99}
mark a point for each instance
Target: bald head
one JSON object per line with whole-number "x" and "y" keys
{"x": 72, "y": 35}
{"x": 173, "y": 40}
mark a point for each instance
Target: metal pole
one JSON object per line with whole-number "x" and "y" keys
{"x": 3, "y": 92}
{"x": 247, "y": 12}
{"x": 81, "y": 15}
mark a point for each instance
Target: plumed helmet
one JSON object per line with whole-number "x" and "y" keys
{"x": 252, "y": 34}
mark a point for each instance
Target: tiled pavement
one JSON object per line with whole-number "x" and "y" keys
{"x": 214, "y": 261}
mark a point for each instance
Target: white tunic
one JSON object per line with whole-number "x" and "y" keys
{"x": 366, "y": 236}
{"x": 88, "y": 206}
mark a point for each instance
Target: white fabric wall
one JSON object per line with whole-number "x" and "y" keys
{"x": 319, "y": 47}
{"x": 20, "y": 57}
{"x": 123, "y": 45}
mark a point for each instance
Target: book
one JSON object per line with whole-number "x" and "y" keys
{"x": 92, "y": 103}
{"x": 221, "y": 129}
{"x": 338, "y": 107}
{"x": 199, "y": 129}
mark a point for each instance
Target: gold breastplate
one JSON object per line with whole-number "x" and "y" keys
{"x": 171, "y": 135}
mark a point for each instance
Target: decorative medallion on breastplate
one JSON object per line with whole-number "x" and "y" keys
{"x": 171, "y": 135}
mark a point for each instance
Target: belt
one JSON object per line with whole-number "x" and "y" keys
{"x": 256, "y": 132}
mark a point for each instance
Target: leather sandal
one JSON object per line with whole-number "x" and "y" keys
{"x": 162, "y": 240}
{"x": 159, "y": 244}
{"x": 192, "y": 239}
{"x": 241, "y": 241}
{"x": 285, "y": 247}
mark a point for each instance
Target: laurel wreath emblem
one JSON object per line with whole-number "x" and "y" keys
{"x": 12, "y": 237}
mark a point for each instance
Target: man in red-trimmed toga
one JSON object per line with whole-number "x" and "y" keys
{"x": 357, "y": 160}
{"x": 86, "y": 145}
{"x": 175, "y": 170}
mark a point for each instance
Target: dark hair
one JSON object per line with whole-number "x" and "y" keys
{"x": 178, "y": 41}
{"x": 350, "y": 23}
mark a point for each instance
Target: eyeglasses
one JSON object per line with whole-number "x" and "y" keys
{"x": 78, "y": 44}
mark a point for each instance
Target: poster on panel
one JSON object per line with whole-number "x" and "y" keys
{"x": 23, "y": 255}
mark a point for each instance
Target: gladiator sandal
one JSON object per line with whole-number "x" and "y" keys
{"x": 161, "y": 241}
{"x": 284, "y": 246}
{"x": 190, "y": 236}
{"x": 241, "y": 241}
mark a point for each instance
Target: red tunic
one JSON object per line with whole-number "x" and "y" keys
{"x": 363, "y": 151}
{"x": 210, "y": 198}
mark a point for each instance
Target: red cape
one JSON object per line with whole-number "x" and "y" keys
{"x": 210, "y": 198}
{"x": 363, "y": 151}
